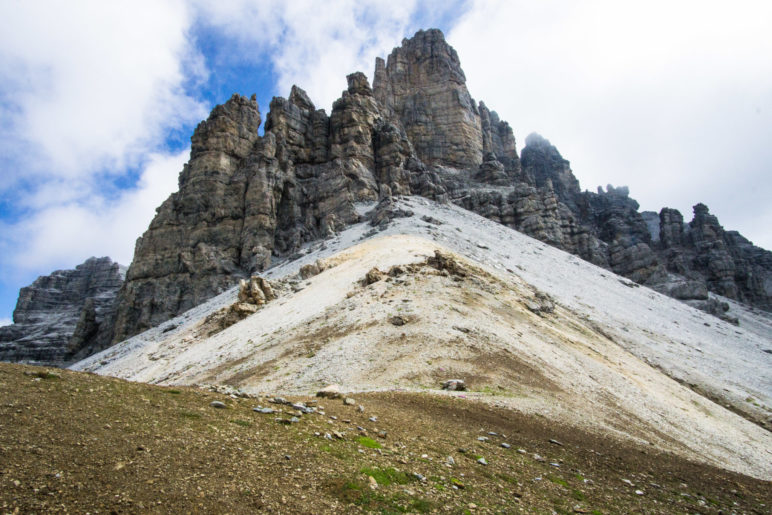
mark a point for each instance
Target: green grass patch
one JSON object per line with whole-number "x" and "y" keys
{"x": 173, "y": 392}
{"x": 558, "y": 481}
{"x": 366, "y": 441}
{"x": 577, "y": 494}
{"x": 507, "y": 478}
{"x": 388, "y": 476}
{"x": 242, "y": 423}
{"x": 356, "y": 492}
{"x": 190, "y": 415}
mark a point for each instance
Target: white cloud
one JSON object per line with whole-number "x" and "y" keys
{"x": 91, "y": 85}
{"x": 670, "y": 98}
{"x": 314, "y": 44}
{"x": 67, "y": 233}
{"x": 5, "y": 321}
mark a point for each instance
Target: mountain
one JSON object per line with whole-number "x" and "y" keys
{"x": 59, "y": 318}
{"x": 399, "y": 250}
{"x": 246, "y": 200}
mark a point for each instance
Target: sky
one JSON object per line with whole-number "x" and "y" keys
{"x": 98, "y": 100}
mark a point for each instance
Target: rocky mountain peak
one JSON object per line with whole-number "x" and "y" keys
{"x": 422, "y": 87}
{"x": 61, "y": 316}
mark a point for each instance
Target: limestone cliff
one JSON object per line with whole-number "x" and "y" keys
{"x": 59, "y": 317}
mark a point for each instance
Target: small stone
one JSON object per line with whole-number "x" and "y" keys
{"x": 482, "y": 438}
{"x": 287, "y": 457}
{"x": 294, "y": 420}
{"x": 482, "y": 461}
{"x": 372, "y": 483}
{"x": 348, "y": 401}
{"x": 218, "y": 404}
{"x": 266, "y": 411}
{"x": 555, "y": 442}
{"x": 373, "y": 419}
{"x": 555, "y": 464}
{"x": 472, "y": 506}
{"x": 628, "y": 482}
{"x": 505, "y": 445}
{"x": 330, "y": 392}
{"x": 454, "y": 385}
{"x": 491, "y": 433}
{"x": 537, "y": 457}
{"x": 337, "y": 435}
{"x": 382, "y": 434}
{"x": 419, "y": 477}
{"x": 361, "y": 409}
{"x": 450, "y": 461}
{"x": 522, "y": 451}
{"x": 639, "y": 492}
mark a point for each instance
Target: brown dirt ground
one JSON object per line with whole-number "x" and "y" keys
{"x": 74, "y": 442}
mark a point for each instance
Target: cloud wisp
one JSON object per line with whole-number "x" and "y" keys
{"x": 671, "y": 98}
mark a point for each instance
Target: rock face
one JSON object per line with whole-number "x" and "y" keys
{"x": 245, "y": 199}
{"x": 720, "y": 261}
{"x": 61, "y": 317}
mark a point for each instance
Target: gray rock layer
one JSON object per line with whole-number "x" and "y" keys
{"x": 62, "y": 316}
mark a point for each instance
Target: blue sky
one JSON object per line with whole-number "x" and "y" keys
{"x": 98, "y": 100}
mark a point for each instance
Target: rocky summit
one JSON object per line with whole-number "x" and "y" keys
{"x": 61, "y": 317}
{"x": 246, "y": 200}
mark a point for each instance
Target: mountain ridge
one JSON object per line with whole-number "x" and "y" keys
{"x": 245, "y": 200}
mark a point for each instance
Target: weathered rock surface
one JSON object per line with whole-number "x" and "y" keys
{"x": 61, "y": 316}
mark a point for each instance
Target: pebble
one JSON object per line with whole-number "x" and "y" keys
{"x": 639, "y": 492}
{"x": 505, "y": 445}
{"x": 267, "y": 411}
{"x": 482, "y": 438}
{"x": 522, "y": 451}
{"x": 450, "y": 460}
{"x": 372, "y": 483}
{"x": 555, "y": 464}
{"x": 482, "y": 461}
{"x": 287, "y": 457}
{"x": 337, "y": 435}
{"x": 218, "y": 404}
{"x": 491, "y": 433}
{"x": 348, "y": 401}
{"x": 538, "y": 457}
{"x": 361, "y": 409}
{"x": 555, "y": 442}
{"x": 628, "y": 482}
{"x": 419, "y": 477}
{"x": 373, "y": 419}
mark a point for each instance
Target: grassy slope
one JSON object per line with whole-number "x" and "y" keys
{"x": 80, "y": 442}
